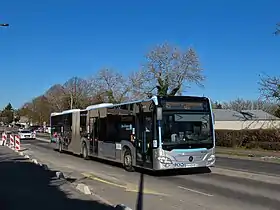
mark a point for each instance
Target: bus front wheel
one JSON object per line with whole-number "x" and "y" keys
{"x": 127, "y": 161}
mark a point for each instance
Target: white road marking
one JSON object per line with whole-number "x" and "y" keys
{"x": 25, "y": 144}
{"x": 42, "y": 139}
{"x": 195, "y": 191}
{"x": 108, "y": 166}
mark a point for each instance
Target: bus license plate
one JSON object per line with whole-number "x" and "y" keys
{"x": 191, "y": 165}
{"x": 185, "y": 165}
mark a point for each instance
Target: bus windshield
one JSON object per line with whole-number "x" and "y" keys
{"x": 187, "y": 130}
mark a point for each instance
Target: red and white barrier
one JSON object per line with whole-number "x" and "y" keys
{"x": 17, "y": 143}
{"x": 12, "y": 141}
{"x": 3, "y": 139}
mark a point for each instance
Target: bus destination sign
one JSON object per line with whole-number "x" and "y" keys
{"x": 195, "y": 106}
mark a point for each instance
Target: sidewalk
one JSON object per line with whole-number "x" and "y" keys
{"x": 24, "y": 185}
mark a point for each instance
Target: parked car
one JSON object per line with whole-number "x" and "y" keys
{"x": 26, "y": 134}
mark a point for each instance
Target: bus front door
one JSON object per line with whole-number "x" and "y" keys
{"x": 144, "y": 139}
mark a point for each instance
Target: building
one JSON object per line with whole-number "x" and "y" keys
{"x": 23, "y": 121}
{"x": 246, "y": 119}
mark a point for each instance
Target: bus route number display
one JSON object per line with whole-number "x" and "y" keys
{"x": 186, "y": 105}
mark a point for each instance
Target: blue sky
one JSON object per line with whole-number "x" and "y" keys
{"x": 50, "y": 41}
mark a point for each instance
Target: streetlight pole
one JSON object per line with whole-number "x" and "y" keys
{"x": 4, "y": 24}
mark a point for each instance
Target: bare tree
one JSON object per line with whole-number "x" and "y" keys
{"x": 56, "y": 97}
{"x": 41, "y": 109}
{"x": 238, "y": 104}
{"x": 277, "y": 112}
{"x": 270, "y": 88}
{"x": 110, "y": 86}
{"x": 76, "y": 92}
{"x": 242, "y": 104}
{"x": 38, "y": 110}
{"x": 168, "y": 71}
{"x": 217, "y": 105}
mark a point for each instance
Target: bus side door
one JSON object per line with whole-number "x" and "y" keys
{"x": 107, "y": 146}
{"x": 144, "y": 131}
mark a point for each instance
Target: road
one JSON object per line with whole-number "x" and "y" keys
{"x": 182, "y": 191}
{"x": 261, "y": 167}
{"x": 249, "y": 165}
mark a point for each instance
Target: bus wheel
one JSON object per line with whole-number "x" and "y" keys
{"x": 85, "y": 151}
{"x": 127, "y": 161}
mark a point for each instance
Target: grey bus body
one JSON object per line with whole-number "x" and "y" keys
{"x": 159, "y": 133}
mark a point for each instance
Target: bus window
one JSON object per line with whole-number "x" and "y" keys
{"x": 126, "y": 127}
{"x": 112, "y": 128}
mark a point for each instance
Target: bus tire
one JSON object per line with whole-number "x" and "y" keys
{"x": 85, "y": 151}
{"x": 127, "y": 160}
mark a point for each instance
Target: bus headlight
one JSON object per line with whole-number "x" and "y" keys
{"x": 164, "y": 160}
{"x": 211, "y": 160}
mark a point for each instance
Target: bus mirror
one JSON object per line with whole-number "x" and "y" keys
{"x": 159, "y": 113}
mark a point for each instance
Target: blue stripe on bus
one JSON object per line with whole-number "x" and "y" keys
{"x": 189, "y": 150}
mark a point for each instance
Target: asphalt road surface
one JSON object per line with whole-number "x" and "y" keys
{"x": 181, "y": 191}
{"x": 253, "y": 166}
{"x": 249, "y": 165}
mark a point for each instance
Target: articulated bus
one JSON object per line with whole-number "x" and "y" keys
{"x": 160, "y": 133}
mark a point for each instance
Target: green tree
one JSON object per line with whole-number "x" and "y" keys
{"x": 8, "y": 113}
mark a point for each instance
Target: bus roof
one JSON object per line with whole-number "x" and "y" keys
{"x": 108, "y": 105}
{"x": 96, "y": 106}
{"x": 154, "y": 99}
{"x": 70, "y": 111}
{"x": 56, "y": 113}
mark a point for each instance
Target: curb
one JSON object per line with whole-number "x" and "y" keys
{"x": 122, "y": 207}
{"x": 35, "y": 161}
{"x": 45, "y": 166}
{"x": 83, "y": 188}
{"x": 59, "y": 175}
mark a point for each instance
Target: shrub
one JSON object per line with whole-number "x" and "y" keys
{"x": 268, "y": 139}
